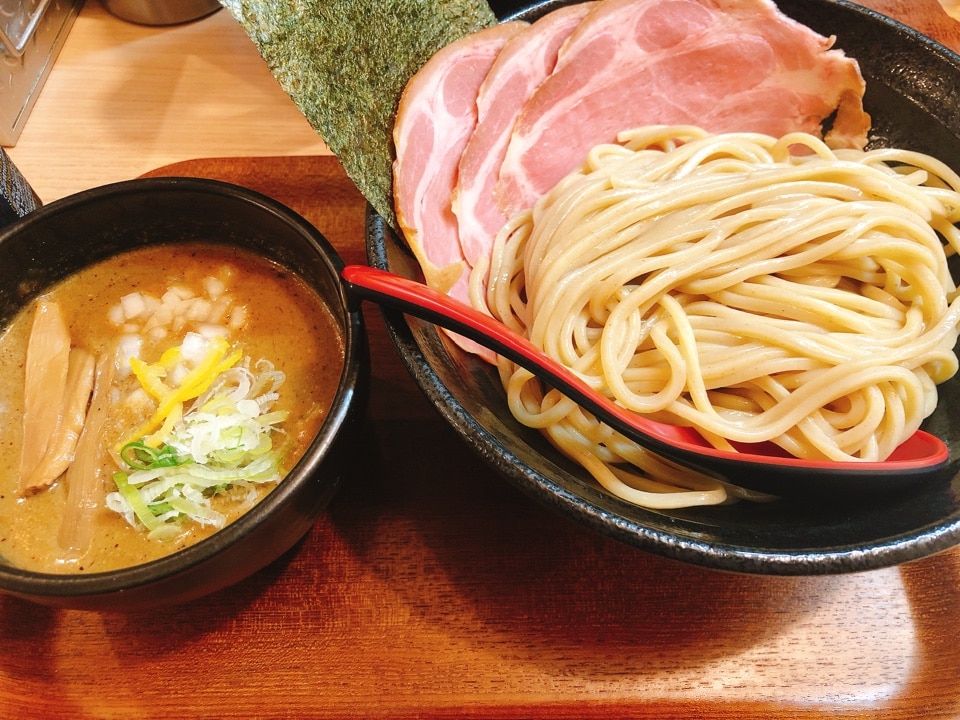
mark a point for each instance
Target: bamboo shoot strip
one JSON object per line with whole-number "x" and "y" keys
{"x": 85, "y": 486}
{"x": 45, "y": 379}
{"x": 73, "y": 411}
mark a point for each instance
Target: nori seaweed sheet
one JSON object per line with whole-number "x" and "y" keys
{"x": 345, "y": 64}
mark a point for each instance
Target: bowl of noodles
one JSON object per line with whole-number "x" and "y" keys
{"x": 708, "y": 520}
{"x": 183, "y": 383}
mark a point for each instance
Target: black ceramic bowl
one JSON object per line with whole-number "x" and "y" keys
{"x": 913, "y": 96}
{"x": 62, "y": 237}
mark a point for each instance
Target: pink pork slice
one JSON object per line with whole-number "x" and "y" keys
{"x": 525, "y": 61}
{"x": 723, "y": 65}
{"x": 435, "y": 118}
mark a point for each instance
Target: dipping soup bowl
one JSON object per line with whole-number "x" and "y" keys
{"x": 59, "y": 239}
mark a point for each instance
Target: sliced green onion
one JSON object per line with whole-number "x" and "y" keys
{"x": 139, "y": 456}
{"x": 198, "y": 512}
{"x": 223, "y": 441}
{"x": 136, "y": 502}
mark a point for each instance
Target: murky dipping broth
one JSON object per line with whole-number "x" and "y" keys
{"x": 243, "y": 316}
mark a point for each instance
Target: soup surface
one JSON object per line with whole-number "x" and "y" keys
{"x": 262, "y": 310}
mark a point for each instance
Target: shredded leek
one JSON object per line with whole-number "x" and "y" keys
{"x": 140, "y": 457}
{"x": 222, "y": 442}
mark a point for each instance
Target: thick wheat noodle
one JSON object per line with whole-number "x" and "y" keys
{"x": 738, "y": 285}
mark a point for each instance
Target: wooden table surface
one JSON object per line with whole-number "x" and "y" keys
{"x": 431, "y": 588}
{"x": 123, "y": 99}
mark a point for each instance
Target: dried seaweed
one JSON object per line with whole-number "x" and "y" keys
{"x": 345, "y": 63}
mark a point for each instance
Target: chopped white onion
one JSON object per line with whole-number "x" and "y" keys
{"x": 133, "y": 305}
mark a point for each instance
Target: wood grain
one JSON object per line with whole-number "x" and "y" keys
{"x": 123, "y": 99}
{"x": 928, "y": 16}
{"x": 433, "y": 589}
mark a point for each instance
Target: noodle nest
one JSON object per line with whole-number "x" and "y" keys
{"x": 758, "y": 289}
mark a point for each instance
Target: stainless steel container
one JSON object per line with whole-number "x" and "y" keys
{"x": 31, "y": 35}
{"x": 160, "y": 12}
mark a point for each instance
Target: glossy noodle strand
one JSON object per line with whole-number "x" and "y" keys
{"x": 758, "y": 289}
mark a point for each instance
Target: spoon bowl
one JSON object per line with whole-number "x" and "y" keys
{"x": 762, "y": 467}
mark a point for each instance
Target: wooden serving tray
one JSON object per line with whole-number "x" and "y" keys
{"x": 431, "y": 588}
